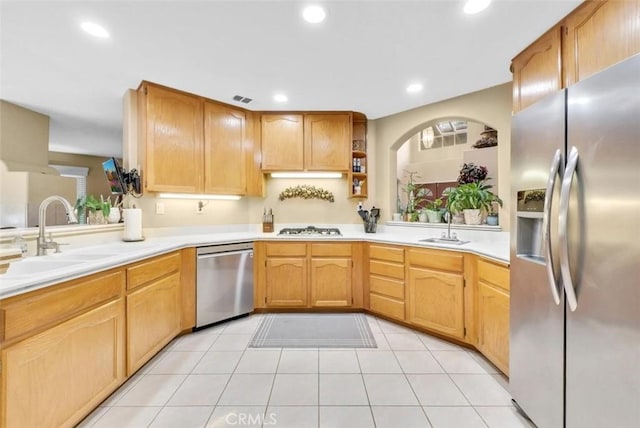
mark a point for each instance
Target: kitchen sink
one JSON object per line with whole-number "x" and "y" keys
{"x": 34, "y": 266}
{"x": 444, "y": 241}
{"x": 80, "y": 257}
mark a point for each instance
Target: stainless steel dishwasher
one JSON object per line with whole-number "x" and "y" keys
{"x": 224, "y": 282}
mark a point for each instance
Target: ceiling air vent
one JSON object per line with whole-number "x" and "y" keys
{"x": 242, "y": 99}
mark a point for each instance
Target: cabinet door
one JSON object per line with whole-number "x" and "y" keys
{"x": 224, "y": 156}
{"x": 331, "y": 282}
{"x": 327, "y": 142}
{"x": 282, "y": 142}
{"x": 173, "y": 141}
{"x": 286, "y": 280}
{"x": 598, "y": 35}
{"x": 55, "y": 378}
{"x": 537, "y": 71}
{"x": 493, "y": 325}
{"x": 435, "y": 301}
{"x": 153, "y": 319}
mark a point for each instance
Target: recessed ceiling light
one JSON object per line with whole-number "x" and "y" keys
{"x": 475, "y": 6}
{"x": 314, "y": 14}
{"x": 95, "y": 30}
{"x": 280, "y": 98}
{"x": 414, "y": 87}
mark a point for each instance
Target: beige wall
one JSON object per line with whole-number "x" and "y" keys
{"x": 491, "y": 106}
{"x": 96, "y": 180}
{"x": 24, "y": 138}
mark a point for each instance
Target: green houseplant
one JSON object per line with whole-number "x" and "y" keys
{"x": 415, "y": 196}
{"x": 87, "y": 208}
{"x": 471, "y": 199}
{"x": 433, "y": 211}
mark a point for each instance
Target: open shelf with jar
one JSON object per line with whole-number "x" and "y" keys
{"x": 358, "y": 182}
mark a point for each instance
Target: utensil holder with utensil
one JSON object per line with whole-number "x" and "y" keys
{"x": 267, "y": 221}
{"x": 370, "y": 219}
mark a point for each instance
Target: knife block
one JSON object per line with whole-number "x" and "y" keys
{"x": 267, "y": 227}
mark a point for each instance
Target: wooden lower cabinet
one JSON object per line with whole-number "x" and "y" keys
{"x": 492, "y": 313}
{"x": 436, "y": 301}
{"x": 307, "y": 274}
{"x": 153, "y": 319}
{"x": 493, "y": 324}
{"x": 55, "y": 378}
{"x": 331, "y": 282}
{"x": 286, "y": 282}
{"x": 386, "y": 272}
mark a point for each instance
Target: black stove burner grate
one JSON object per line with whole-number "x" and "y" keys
{"x": 311, "y": 231}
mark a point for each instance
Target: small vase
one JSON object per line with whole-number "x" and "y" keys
{"x": 96, "y": 217}
{"x": 114, "y": 216}
{"x": 472, "y": 217}
{"x": 422, "y": 217}
{"x": 458, "y": 218}
{"x": 492, "y": 220}
{"x": 434, "y": 216}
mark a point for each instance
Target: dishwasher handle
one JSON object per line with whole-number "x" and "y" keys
{"x": 224, "y": 248}
{"x": 228, "y": 253}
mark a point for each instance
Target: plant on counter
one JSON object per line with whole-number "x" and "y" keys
{"x": 472, "y": 173}
{"x": 433, "y": 212}
{"x": 306, "y": 191}
{"x": 472, "y": 197}
{"x": 415, "y": 196}
{"x": 88, "y": 206}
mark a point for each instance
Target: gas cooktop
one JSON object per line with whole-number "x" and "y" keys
{"x": 310, "y": 231}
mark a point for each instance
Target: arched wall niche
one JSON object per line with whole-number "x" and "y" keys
{"x": 491, "y": 106}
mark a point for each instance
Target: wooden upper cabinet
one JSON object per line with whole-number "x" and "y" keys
{"x": 327, "y": 141}
{"x": 282, "y": 142}
{"x": 224, "y": 152}
{"x": 537, "y": 71}
{"x": 313, "y": 142}
{"x": 171, "y": 141}
{"x": 598, "y": 35}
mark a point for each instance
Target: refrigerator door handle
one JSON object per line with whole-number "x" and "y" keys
{"x": 565, "y": 192}
{"x": 555, "y": 171}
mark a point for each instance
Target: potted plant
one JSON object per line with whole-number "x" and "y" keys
{"x": 472, "y": 199}
{"x": 433, "y": 211}
{"x": 415, "y": 196}
{"x": 472, "y": 173}
{"x": 87, "y": 207}
{"x": 492, "y": 215}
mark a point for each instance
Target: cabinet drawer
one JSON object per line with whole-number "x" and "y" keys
{"x": 39, "y": 309}
{"x": 389, "y": 254}
{"x": 436, "y": 259}
{"x": 330, "y": 250}
{"x": 154, "y": 268}
{"x": 392, "y": 270}
{"x": 386, "y": 306}
{"x": 493, "y": 274}
{"x": 286, "y": 249}
{"x": 388, "y": 287}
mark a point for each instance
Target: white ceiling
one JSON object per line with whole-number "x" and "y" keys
{"x": 361, "y": 58}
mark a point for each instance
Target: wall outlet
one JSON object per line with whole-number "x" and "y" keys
{"x": 159, "y": 207}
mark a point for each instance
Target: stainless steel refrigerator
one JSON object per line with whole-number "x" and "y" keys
{"x": 575, "y": 254}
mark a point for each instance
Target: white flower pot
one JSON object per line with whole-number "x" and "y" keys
{"x": 114, "y": 215}
{"x": 472, "y": 216}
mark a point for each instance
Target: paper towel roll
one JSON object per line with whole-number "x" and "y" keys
{"x": 132, "y": 224}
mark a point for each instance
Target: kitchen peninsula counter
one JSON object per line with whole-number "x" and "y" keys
{"x": 34, "y": 273}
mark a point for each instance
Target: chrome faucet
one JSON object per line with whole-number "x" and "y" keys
{"x": 43, "y": 243}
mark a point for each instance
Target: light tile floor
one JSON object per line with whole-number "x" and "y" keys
{"x": 211, "y": 379}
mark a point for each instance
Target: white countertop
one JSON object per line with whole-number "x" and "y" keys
{"x": 34, "y": 273}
